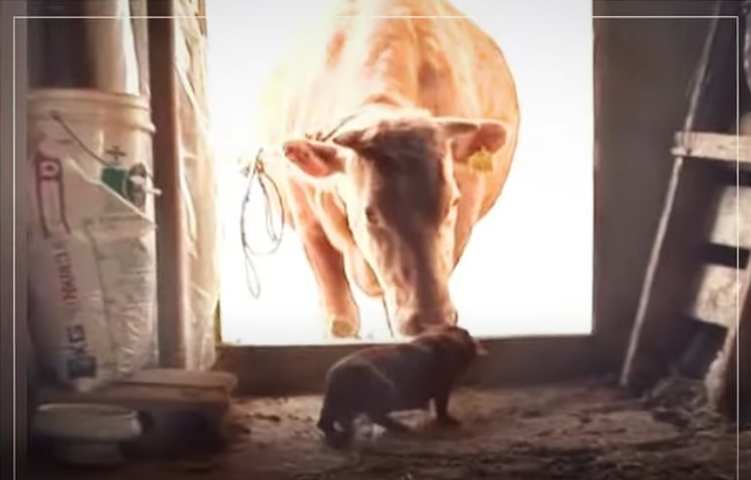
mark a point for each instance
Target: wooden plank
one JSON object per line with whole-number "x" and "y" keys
{"x": 741, "y": 357}
{"x": 129, "y": 395}
{"x": 171, "y": 274}
{"x": 178, "y": 410}
{"x": 715, "y": 146}
{"x": 733, "y": 210}
{"x": 683, "y": 228}
{"x": 734, "y": 383}
{"x": 154, "y": 385}
{"x": 177, "y": 377}
{"x": 716, "y": 298}
{"x": 287, "y": 370}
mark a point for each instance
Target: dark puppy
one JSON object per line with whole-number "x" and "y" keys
{"x": 379, "y": 380}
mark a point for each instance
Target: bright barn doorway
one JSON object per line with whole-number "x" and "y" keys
{"x": 528, "y": 267}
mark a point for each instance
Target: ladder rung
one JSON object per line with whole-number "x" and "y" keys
{"x": 715, "y": 146}
{"x": 716, "y": 299}
{"x": 732, "y": 217}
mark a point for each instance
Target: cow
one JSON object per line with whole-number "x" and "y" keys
{"x": 395, "y": 136}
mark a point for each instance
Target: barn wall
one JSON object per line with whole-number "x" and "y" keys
{"x": 644, "y": 69}
{"x": 7, "y": 11}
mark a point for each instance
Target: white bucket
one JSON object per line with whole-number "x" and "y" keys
{"x": 92, "y": 265}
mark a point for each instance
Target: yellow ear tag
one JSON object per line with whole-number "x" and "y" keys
{"x": 481, "y": 161}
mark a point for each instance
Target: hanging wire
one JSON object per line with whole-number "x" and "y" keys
{"x": 257, "y": 172}
{"x": 58, "y": 118}
{"x": 389, "y": 325}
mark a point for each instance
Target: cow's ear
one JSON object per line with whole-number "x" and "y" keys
{"x": 353, "y": 139}
{"x": 315, "y": 159}
{"x": 470, "y": 136}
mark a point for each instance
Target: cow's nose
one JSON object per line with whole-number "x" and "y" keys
{"x": 414, "y": 323}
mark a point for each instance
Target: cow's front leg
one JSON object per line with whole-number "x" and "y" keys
{"x": 341, "y": 315}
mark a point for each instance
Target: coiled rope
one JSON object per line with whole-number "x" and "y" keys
{"x": 256, "y": 173}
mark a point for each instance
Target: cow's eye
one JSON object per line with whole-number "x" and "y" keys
{"x": 371, "y": 215}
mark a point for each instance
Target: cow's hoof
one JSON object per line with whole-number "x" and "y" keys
{"x": 344, "y": 328}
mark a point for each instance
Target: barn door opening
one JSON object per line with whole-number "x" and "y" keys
{"x": 528, "y": 267}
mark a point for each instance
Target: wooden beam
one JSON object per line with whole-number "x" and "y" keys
{"x": 713, "y": 146}
{"x": 288, "y": 370}
{"x": 741, "y": 357}
{"x": 716, "y": 295}
{"x": 155, "y": 386}
{"x": 171, "y": 278}
{"x": 735, "y": 387}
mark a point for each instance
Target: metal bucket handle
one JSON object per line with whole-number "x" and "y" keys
{"x": 132, "y": 177}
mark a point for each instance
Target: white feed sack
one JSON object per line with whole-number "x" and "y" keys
{"x": 92, "y": 275}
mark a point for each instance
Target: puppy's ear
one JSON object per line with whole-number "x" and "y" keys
{"x": 479, "y": 349}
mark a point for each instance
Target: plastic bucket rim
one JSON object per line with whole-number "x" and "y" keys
{"x": 37, "y": 97}
{"x": 86, "y": 409}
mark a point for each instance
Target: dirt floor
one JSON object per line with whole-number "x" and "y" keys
{"x": 582, "y": 431}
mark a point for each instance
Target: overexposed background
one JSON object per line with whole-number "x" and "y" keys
{"x": 528, "y": 267}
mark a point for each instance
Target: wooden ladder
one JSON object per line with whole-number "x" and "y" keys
{"x": 699, "y": 273}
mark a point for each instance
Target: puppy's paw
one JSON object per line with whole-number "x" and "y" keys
{"x": 338, "y": 440}
{"x": 447, "y": 421}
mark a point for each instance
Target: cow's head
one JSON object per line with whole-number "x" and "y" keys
{"x": 396, "y": 181}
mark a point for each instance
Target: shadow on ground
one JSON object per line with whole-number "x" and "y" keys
{"x": 583, "y": 431}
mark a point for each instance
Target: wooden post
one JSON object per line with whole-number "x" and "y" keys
{"x": 742, "y": 362}
{"x": 735, "y": 400}
{"x": 171, "y": 278}
{"x": 14, "y": 341}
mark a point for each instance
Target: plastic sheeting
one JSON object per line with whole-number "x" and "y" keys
{"x": 120, "y": 61}
{"x": 199, "y": 186}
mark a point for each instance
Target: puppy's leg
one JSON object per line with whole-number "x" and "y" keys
{"x": 381, "y": 418}
{"x": 328, "y": 416}
{"x": 331, "y": 416}
{"x": 338, "y": 438}
{"x": 441, "y": 404}
{"x": 347, "y": 433}
{"x": 326, "y": 425}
